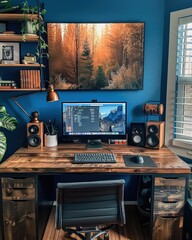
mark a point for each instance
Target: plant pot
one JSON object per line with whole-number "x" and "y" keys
{"x": 29, "y": 27}
{"x": 50, "y": 140}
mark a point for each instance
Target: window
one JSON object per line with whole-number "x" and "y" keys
{"x": 178, "y": 134}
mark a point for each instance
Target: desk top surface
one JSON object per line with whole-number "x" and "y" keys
{"x": 59, "y": 159}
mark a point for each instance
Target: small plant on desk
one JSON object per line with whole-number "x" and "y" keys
{"x": 51, "y": 127}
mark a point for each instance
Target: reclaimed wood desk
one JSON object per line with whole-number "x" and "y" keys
{"x": 59, "y": 159}
{"x": 28, "y": 180}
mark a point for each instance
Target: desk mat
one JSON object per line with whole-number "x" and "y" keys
{"x": 148, "y": 162}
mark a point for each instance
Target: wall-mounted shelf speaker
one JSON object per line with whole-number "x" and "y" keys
{"x": 35, "y": 135}
{"x": 137, "y": 134}
{"x": 155, "y": 132}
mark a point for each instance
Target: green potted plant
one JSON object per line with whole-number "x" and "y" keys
{"x": 8, "y": 122}
{"x": 35, "y": 26}
{"x": 51, "y": 133}
{"x": 29, "y": 25}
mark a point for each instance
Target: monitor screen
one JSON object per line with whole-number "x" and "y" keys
{"x": 98, "y": 121}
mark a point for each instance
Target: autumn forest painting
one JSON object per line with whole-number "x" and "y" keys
{"x": 96, "y": 56}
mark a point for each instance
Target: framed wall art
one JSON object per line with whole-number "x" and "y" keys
{"x": 96, "y": 56}
{"x": 9, "y": 53}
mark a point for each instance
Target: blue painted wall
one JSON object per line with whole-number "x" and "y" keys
{"x": 150, "y": 11}
{"x": 154, "y": 13}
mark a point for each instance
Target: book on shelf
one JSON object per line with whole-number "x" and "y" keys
{"x": 30, "y": 79}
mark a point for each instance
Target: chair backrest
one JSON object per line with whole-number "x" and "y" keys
{"x": 90, "y": 203}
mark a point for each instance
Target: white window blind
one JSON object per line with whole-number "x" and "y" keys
{"x": 178, "y": 132}
{"x": 183, "y": 91}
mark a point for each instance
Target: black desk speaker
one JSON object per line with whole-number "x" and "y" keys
{"x": 137, "y": 134}
{"x": 35, "y": 135}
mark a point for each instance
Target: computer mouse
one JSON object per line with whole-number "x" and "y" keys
{"x": 138, "y": 159}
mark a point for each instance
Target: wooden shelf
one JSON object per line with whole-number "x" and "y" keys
{"x": 18, "y": 38}
{"x": 33, "y": 65}
{"x": 17, "y": 16}
{"x": 21, "y": 89}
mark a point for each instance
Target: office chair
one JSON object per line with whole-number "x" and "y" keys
{"x": 90, "y": 209}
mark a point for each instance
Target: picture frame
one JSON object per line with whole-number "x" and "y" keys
{"x": 9, "y": 53}
{"x": 2, "y": 27}
{"x": 96, "y": 56}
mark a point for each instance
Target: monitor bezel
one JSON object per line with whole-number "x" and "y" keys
{"x": 85, "y": 138}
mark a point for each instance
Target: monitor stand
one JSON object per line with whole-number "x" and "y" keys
{"x": 94, "y": 144}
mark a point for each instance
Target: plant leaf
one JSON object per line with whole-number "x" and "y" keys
{"x": 3, "y": 145}
{"x": 8, "y": 122}
{"x": 2, "y": 109}
{"x": 43, "y": 11}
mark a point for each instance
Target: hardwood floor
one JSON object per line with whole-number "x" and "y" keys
{"x": 132, "y": 230}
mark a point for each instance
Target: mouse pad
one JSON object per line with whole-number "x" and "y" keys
{"x": 148, "y": 161}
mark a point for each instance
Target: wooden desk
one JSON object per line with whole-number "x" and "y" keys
{"x": 27, "y": 179}
{"x": 59, "y": 159}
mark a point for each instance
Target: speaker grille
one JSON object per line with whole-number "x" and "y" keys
{"x": 33, "y": 129}
{"x": 137, "y": 139}
{"x": 137, "y": 134}
{"x": 153, "y": 129}
{"x": 34, "y": 140}
{"x": 152, "y": 140}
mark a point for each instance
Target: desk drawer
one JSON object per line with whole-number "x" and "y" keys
{"x": 18, "y": 182}
{"x": 167, "y": 228}
{"x": 18, "y": 188}
{"x": 169, "y": 190}
{"x": 170, "y": 182}
{"x": 169, "y": 208}
{"x": 169, "y": 196}
{"x": 18, "y": 194}
{"x": 19, "y": 220}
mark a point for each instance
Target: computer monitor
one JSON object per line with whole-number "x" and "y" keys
{"x": 94, "y": 122}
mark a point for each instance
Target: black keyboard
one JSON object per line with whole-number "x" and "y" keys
{"x": 94, "y": 158}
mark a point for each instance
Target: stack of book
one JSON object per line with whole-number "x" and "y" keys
{"x": 30, "y": 79}
{"x": 7, "y": 84}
